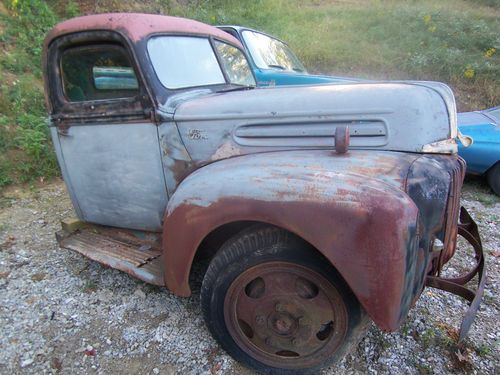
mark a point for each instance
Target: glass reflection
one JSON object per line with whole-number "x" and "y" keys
{"x": 235, "y": 64}
{"x": 270, "y": 53}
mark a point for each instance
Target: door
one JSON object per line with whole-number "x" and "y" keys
{"x": 106, "y": 142}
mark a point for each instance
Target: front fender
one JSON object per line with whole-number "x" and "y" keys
{"x": 364, "y": 226}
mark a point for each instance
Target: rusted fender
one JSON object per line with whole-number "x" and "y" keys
{"x": 364, "y": 226}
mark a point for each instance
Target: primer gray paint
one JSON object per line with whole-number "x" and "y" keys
{"x": 383, "y": 116}
{"x": 114, "y": 173}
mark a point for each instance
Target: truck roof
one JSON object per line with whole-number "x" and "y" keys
{"x": 137, "y": 26}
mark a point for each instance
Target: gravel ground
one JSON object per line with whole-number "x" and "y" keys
{"x": 60, "y": 313}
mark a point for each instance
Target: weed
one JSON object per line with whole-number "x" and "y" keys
{"x": 483, "y": 350}
{"x": 71, "y": 9}
{"x": 5, "y": 173}
{"x": 27, "y": 152}
{"x": 491, "y": 3}
{"x": 6, "y": 202}
{"x": 89, "y": 287}
{"x": 488, "y": 300}
{"x": 405, "y": 329}
{"x": 488, "y": 200}
{"x": 424, "y": 369}
{"x": 382, "y": 340}
{"x": 428, "y": 338}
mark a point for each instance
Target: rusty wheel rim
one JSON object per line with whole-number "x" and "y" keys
{"x": 285, "y": 315}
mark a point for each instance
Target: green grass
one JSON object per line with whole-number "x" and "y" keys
{"x": 454, "y": 41}
{"x": 26, "y": 152}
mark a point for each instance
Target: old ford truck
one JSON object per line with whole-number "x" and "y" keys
{"x": 318, "y": 207}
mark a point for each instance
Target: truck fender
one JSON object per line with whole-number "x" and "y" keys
{"x": 365, "y": 227}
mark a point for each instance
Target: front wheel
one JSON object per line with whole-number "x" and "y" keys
{"x": 276, "y": 306}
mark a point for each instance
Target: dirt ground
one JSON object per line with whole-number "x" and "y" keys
{"x": 61, "y": 313}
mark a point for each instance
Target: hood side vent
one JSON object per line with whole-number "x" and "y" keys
{"x": 371, "y": 133}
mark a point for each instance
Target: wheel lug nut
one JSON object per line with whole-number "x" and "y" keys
{"x": 294, "y": 342}
{"x": 270, "y": 341}
{"x": 260, "y": 319}
{"x": 279, "y": 307}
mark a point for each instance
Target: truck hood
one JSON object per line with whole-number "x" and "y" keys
{"x": 396, "y": 116}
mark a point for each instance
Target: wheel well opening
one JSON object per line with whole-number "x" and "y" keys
{"x": 215, "y": 239}
{"x": 209, "y": 246}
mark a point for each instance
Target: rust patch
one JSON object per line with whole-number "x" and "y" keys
{"x": 467, "y": 229}
{"x": 303, "y": 328}
{"x": 226, "y": 150}
{"x": 342, "y": 139}
{"x": 136, "y": 253}
{"x": 137, "y": 26}
{"x": 360, "y": 242}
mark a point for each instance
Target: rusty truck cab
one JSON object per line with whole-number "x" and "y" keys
{"x": 322, "y": 203}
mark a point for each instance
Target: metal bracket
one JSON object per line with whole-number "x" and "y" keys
{"x": 467, "y": 228}
{"x": 342, "y": 139}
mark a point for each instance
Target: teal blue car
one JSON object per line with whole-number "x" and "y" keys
{"x": 274, "y": 63}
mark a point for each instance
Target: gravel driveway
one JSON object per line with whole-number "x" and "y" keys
{"x": 60, "y": 313}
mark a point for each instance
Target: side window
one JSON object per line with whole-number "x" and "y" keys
{"x": 235, "y": 64}
{"x": 97, "y": 72}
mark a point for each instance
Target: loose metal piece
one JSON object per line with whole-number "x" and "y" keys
{"x": 116, "y": 248}
{"x": 467, "y": 228}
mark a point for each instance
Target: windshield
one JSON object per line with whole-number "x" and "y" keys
{"x": 185, "y": 61}
{"x": 235, "y": 64}
{"x": 270, "y": 53}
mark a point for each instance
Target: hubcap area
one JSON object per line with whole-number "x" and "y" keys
{"x": 282, "y": 323}
{"x": 285, "y": 315}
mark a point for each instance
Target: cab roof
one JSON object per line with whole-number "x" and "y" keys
{"x": 137, "y": 26}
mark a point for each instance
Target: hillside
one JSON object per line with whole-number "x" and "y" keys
{"x": 456, "y": 42}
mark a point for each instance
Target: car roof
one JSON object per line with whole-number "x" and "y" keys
{"x": 137, "y": 26}
{"x": 242, "y": 28}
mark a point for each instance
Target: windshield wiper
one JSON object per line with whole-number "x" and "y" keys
{"x": 237, "y": 88}
{"x": 298, "y": 70}
{"x": 276, "y": 66}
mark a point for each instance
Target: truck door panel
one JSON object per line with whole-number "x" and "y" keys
{"x": 106, "y": 141}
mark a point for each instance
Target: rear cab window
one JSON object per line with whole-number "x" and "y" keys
{"x": 97, "y": 72}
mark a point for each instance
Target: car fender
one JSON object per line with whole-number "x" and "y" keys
{"x": 364, "y": 226}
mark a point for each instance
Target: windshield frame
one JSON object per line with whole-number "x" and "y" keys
{"x": 211, "y": 39}
{"x": 254, "y": 53}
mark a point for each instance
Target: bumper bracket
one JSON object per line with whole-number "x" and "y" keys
{"x": 467, "y": 228}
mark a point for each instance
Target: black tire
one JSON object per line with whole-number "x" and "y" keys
{"x": 493, "y": 177}
{"x": 276, "y": 254}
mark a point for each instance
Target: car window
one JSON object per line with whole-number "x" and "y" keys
{"x": 181, "y": 61}
{"x": 270, "y": 53}
{"x": 97, "y": 73}
{"x": 235, "y": 64}
{"x": 494, "y": 113}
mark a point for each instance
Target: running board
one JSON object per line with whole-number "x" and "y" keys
{"x": 134, "y": 252}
